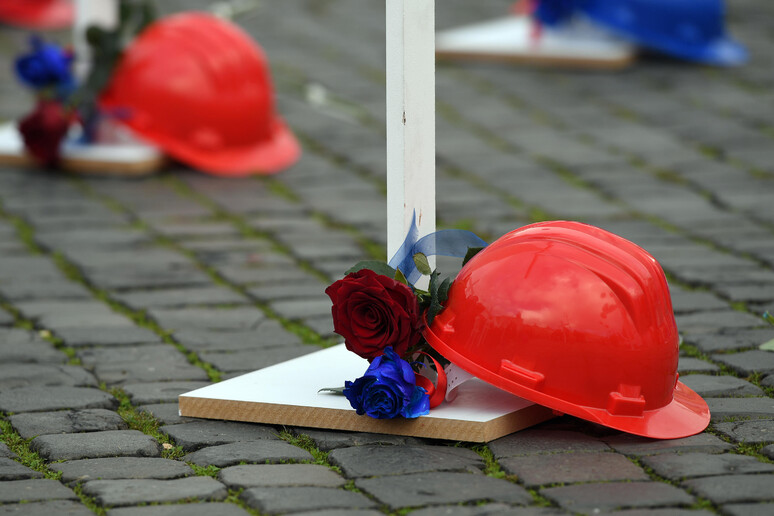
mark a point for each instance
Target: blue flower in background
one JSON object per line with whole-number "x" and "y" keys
{"x": 388, "y": 389}
{"x": 47, "y": 66}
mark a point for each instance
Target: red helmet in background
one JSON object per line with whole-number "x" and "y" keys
{"x": 199, "y": 87}
{"x": 37, "y": 14}
{"x": 576, "y": 319}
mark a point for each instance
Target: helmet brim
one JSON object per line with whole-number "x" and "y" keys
{"x": 687, "y": 414}
{"x": 274, "y": 154}
{"x": 54, "y": 15}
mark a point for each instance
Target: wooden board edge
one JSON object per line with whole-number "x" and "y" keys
{"x": 92, "y": 168}
{"x": 336, "y": 419}
{"x": 543, "y": 61}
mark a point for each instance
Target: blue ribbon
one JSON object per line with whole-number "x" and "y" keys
{"x": 556, "y": 12}
{"x": 447, "y": 242}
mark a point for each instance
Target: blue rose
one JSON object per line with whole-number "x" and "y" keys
{"x": 388, "y": 389}
{"x": 46, "y": 66}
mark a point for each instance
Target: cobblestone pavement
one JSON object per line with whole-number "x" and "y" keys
{"x": 117, "y": 295}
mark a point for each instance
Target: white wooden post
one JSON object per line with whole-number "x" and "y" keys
{"x": 103, "y": 13}
{"x": 410, "y": 118}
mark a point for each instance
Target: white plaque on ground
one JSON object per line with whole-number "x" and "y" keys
{"x": 287, "y": 394}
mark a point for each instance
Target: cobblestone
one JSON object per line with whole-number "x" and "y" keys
{"x": 531, "y": 442}
{"x": 258, "y": 452}
{"x": 375, "y": 460}
{"x": 709, "y": 386}
{"x": 279, "y": 475}
{"x": 192, "y": 436}
{"x": 110, "y": 443}
{"x": 33, "y": 490}
{"x": 31, "y": 424}
{"x": 677, "y": 467}
{"x": 749, "y": 432}
{"x": 734, "y": 488}
{"x": 112, "y": 468}
{"x": 638, "y": 446}
{"x": 13, "y": 376}
{"x": 63, "y": 507}
{"x": 197, "y": 509}
{"x": 722, "y": 408}
{"x": 39, "y": 399}
{"x": 118, "y": 493}
{"x": 12, "y": 470}
{"x": 592, "y": 498}
{"x": 567, "y": 468}
{"x": 294, "y": 499}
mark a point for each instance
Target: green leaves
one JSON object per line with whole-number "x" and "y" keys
{"x": 439, "y": 293}
{"x": 423, "y": 266}
{"x": 373, "y": 265}
{"x": 472, "y": 251}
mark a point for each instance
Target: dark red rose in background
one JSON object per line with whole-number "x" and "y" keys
{"x": 43, "y": 130}
{"x": 372, "y": 311}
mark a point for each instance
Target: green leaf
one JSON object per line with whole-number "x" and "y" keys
{"x": 435, "y": 298}
{"x": 423, "y": 266}
{"x": 768, "y": 346}
{"x": 400, "y": 277}
{"x": 443, "y": 290}
{"x": 373, "y": 265}
{"x": 472, "y": 251}
{"x": 769, "y": 317}
{"x": 332, "y": 390}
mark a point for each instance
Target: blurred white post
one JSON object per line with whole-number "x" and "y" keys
{"x": 103, "y": 13}
{"x": 410, "y": 118}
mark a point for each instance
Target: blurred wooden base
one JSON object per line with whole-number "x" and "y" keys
{"x": 114, "y": 159}
{"x": 512, "y": 40}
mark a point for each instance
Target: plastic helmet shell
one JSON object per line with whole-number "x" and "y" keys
{"x": 199, "y": 87}
{"x": 688, "y": 29}
{"x": 37, "y": 14}
{"x": 574, "y": 318}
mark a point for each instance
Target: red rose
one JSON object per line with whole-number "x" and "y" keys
{"x": 372, "y": 311}
{"x": 44, "y": 129}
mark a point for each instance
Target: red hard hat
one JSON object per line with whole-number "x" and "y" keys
{"x": 576, "y": 319}
{"x": 199, "y": 88}
{"x": 37, "y": 14}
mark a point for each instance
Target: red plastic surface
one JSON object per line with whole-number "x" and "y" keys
{"x": 576, "y": 319}
{"x": 200, "y": 88}
{"x": 37, "y": 14}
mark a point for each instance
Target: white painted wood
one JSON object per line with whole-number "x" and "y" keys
{"x": 103, "y": 13}
{"x": 410, "y": 118}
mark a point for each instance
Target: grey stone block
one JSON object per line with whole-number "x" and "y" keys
{"x": 534, "y": 441}
{"x": 58, "y": 507}
{"x": 13, "y": 376}
{"x": 153, "y": 353}
{"x": 722, "y": 408}
{"x": 263, "y": 451}
{"x": 73, "y": 314}
{"x": 112, "y": 468}
{"x": 5, "y": 451}
{"x": 186, "y": 509}
{"x": 327, "y": 440}
{"x": 567, "y": 468}
{"x": 734, "y": 488}
{"x": 375, "y": 460}
{"x": 31, "y": 424}
{"x": 6, "y": 319}
{"x": 166, "y": 413}
{"x": 274, "y": 500}
{"x": 34, "y": 490}
{"x": 111, "y": 443}
{"x": 179, "y": 297}
{"x": 712, "y": 342}
{"x": 192, "y": 436}
{"x": 159, "y": 392}
{"x": 633, "y": 445}
{"x": 118, "y": 493}
{"x": 269, "y": 334}
{"x": 695, "y": 365}
{"x": 251, "y": 360}
{"x": 107, "y": 336}
{"x": 39, "y": 399}
{"x": 172, "y": 370}
{"x": 709, "y": 386}
{"x": 37, "y": 289}
{"x": 12, "y": 470}
{"x": 441, "y": 488}
{"x": 241, "y": 318}
{"x": 279, "y": 475}
{"x": 23, "y": 346}
{"x": 748, "y": 362}
{"x": 768, "y": 451}
{"x": 593, "y": 498}
{"x": 749, "y": 509}
{"x": 489, "y": 509}
{"x": 690, "y": 465}
{"x": 750, "y": 432}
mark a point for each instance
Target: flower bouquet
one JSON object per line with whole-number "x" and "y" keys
{"x": 382, "y": 314}
{"x": 66, "y": 129}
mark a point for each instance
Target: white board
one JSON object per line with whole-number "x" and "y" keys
{"x": 512, "y": 38}
{"x": 287, "y": 394}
